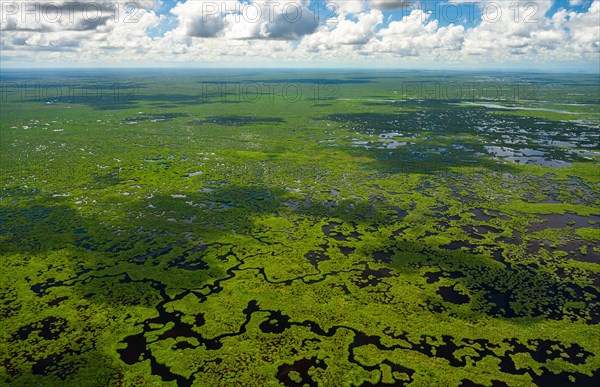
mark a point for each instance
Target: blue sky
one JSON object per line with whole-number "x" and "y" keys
{"x": 470, "y": 12}
{"x": 363, "y": 33}
{"x": 467, "y": 14}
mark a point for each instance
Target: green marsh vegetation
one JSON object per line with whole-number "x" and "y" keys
{"x": 320, "y": 228}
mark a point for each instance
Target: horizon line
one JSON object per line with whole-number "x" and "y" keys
{"x": 589, "y": 71}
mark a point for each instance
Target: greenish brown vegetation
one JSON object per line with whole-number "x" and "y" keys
{"x": 175, "y": 231}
